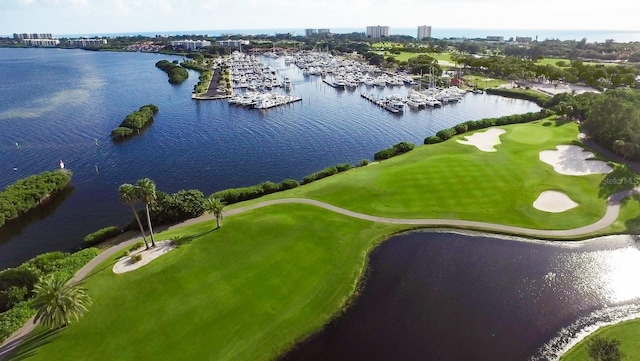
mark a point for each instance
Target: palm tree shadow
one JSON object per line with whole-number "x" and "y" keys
{"x": 32, "y": 342}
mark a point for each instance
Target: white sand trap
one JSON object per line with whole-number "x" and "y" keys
{"x": 484, "y": 141}
{"x": 573, "y": 160}
{"x": 554, "y": 202}
{"x": 124, "y": 264}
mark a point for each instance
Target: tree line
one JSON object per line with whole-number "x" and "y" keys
{"x": 27, "y": 193}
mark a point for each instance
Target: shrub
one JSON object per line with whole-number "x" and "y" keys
{"x": 402, "y": 148}
{"x": 432, "y": 139}
{"x": 289, "y": 184}
{"x": 15, "y": 285}
{"x": 13, "y": 319}
{"x": 604, "y": 349}
{"x": 445, "y": 134}
{"x": 342, "y": 167}
{"x": 136, "y": 246}
{"x": 363, "y": 162}
{"x": 121, "y": 132}
{"x": 329, "y": 171}
{"x": 384, "y": 154}
{"x": 461, "y": 128}
{"x": 269, "y": 187}
{"x": 101, "y": 235}
{"x": 135, "y": 258}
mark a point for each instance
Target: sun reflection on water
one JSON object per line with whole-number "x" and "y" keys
{"x": 608, "y": 275}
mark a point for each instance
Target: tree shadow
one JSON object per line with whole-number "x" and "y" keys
{"x": 186, "y": 239}
{"x": 619, "y": 179}
{"x": 29, "y": 345}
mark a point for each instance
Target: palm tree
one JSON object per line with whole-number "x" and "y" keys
{"x": 128, "y": 196}
{"x": 146, "y": 193}
{"x": 58, "y": 303}
{"x": 215, "y": 206}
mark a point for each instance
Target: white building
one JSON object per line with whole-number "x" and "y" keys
{"x": 190, "y": 44}
{"x": 46, "y": 43}
{"x": 84, "y": 43}
{"x": 424, "y": 31}
{"x": 310, "y": 32}
{"x": 377, "y": 31}
{"x": 232, "y": 43}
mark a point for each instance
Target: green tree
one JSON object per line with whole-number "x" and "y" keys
{"x": 216, "y": 207}
{"x": 604, "y": 349}
{"x": 146, "y": 193}
{"x": 129, "y": 196}
{"x": 58, "y": 303}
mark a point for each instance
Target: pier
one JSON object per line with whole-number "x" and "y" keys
{"x": 391, "y": 106}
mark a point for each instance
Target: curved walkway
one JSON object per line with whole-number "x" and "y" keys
{"x": 610, "y": 216}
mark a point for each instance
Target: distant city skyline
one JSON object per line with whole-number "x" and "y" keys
{"x": 125, "y": 16}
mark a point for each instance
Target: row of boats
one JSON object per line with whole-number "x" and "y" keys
{"x": 417, "y": 99}
{"x": 248, "y": 72}
{"x": 262, "y": 100}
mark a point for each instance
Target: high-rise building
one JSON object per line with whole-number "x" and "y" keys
{"x": 424, "y": 31}
{"x": 309, "y": 32}
{"x": 377, "y": 31}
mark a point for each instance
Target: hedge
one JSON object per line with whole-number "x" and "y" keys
{"x": 397, "y": 149}
{"x": 329, "y": 171}
{"x": 101, "y": 235}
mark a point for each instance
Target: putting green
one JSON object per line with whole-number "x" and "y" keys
{"x": 530, "y": 134}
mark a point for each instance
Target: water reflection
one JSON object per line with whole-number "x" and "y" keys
{"x": 456, "y": 297}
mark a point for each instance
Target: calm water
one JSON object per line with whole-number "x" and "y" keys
{"x": 447, "y": 296}
{"x": 57, "y": 103}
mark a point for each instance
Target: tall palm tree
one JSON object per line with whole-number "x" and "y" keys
{"x": 216, "y": 207}
{"x": 58, "y": 303}
{"x": 146, "y": 193}
{"x": 128, "y": 195}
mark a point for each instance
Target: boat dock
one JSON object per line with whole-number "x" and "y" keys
{"x": 330, "y": 83}
{"x": 383, "y": 103}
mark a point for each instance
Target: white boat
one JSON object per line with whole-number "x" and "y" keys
{"x": 286, "y": 83}
{"x": 433, "y": 102}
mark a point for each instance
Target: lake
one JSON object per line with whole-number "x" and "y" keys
{"x": 59, "y": 104}
{"x": 454, "y": 296}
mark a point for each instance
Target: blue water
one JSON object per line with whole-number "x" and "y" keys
{"x": 57, "y": 103}
{"x": 622, "y": 36}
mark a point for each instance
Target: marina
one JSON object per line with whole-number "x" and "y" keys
{"x": 392, "y": 104}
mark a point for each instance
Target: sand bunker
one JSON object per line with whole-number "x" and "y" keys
{"x": 484, "y": 141}
{"x": 573, "y": 160}
{"x": 124, "y": 264}
{"x": 554, "y": 202}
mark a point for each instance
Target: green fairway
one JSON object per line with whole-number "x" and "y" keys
{"x": 246, "y": 291}
{"x": 482, "y": 81}
{"x": 628, "y": 333}
{"x": 273, "y": 275}
{"x": 454, "y": 181}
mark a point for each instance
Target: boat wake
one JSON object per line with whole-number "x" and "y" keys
{"x": 569, "y": 336}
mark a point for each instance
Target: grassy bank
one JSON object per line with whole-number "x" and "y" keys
{"x": 625, "y": 332}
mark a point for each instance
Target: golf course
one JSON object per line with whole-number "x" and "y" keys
{"x": 274, "y": 274}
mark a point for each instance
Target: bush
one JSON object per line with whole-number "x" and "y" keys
{"x": 136, "y": 246}
{"x": 135, "y": 258}
{"x": 343, "y": 167}
{"x": 384, "y": 154}
{"x": 16, "y": 284}
{"x": 13, "y": 319}
{"x": 269, "y": 187}
{"x": 289, "y": 184}
{"x": 120, "y": 133}
{"x": 172, "y": 208}
{"x": 432, "y": 139}
{"x": 329, "y": 171}
{"x": 101, "y": 235}
{"x": 402, "y": 148}
{"x": 604, "y": 349}
{"x": 461, "y": 128}
{"x": 445, "y": 134}
{"x": 363, "y": 162}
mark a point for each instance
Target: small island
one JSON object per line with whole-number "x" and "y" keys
{"x": 177, "y": 74}
{"x": 134, "y": 122}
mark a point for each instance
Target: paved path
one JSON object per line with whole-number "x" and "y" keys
{"x": 610, "y": 216}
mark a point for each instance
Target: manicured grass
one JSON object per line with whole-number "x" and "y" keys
{"x": 443, "y": 58}
{"x": 454, "y": 181}
{"x": 628, "y": 333}
{"x": 246, "y": 291}
{"x": 554, "y": 61}
{"x": 482, "y": 81}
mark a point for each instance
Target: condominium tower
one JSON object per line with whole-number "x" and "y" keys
{"x": 424, "y": 31}
{"x": 377, "y": 31}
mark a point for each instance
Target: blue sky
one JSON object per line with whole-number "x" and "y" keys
{"x": 119, "y": 16}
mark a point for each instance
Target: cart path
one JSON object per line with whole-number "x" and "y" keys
{"x": 610, "y": 216}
